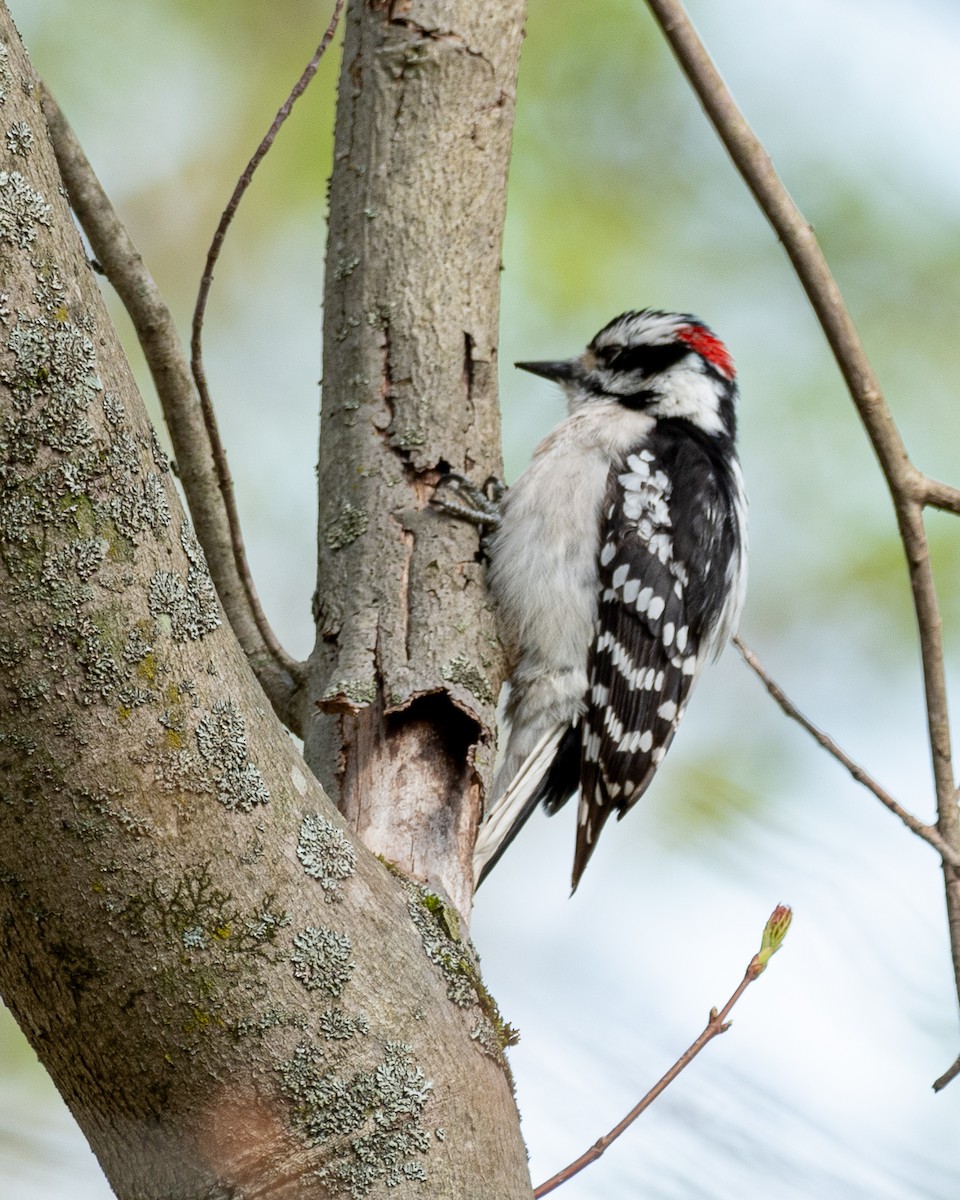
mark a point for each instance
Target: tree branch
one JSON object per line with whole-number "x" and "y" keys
{"x": 794, "y": 231}
{"x": 407, "y": 667}
{"x": 774, "y": 933}
{"x": 909, "y": 489}
{"x": 233, "y": 997}
{"x": 156, "y": 332}
{"x": 940, "y": 495}
{"x": 950, "y": 1074}
{"x": 284, "y": 661}
{"x": 927, "y": 832}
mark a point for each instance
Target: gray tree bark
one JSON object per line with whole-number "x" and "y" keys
{"x": 232, "y": 994}
{"x": 407, "y": 667}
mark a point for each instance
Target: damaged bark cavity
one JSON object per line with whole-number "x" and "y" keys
{"x": 410, "y": 788}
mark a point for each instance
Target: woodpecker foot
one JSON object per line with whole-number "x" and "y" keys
{"x": 461, "y": 498}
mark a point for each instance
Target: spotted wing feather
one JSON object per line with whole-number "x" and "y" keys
{"x": 645, "y": 656}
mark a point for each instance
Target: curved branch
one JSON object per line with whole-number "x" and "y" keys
{"x": 909, "y": 488}
{"x": 156, "y": 332}
{"x": 927, "y": 832}
{"x": 224, "y": 478}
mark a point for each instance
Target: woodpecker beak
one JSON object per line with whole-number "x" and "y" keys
{"x": 561, "y": 372}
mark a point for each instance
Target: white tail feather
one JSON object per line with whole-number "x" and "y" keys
{"x": 511, "y": 808}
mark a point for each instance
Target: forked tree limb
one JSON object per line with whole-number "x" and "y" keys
{"x": 910, "y": 490}
{"x": 187, "y": 404}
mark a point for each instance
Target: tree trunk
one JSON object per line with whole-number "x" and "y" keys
{"x": 407, "y": 666}
{"x": 232, "y": 995}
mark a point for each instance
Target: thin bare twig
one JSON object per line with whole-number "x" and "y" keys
{"x": 196, "y": 349}
{"x": 950, "y": 1074}
{"x": 940, "y": 495}
{"x": 914, "y": 824}
{"x": 717, "y": 1023}
{"x": 157, "y": 334}
{"x": 909, "y": 489}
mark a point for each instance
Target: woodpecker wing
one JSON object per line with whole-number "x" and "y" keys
{"x": 646, "y": 653}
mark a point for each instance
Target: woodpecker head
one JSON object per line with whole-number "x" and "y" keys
{"x": 669, "y": 365}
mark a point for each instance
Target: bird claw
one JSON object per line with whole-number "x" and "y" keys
{"x": 479, "y": 506}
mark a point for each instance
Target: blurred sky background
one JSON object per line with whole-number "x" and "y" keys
{"x": 621, "y": 197}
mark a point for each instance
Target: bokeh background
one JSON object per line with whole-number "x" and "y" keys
{"x": 621, "y": 197}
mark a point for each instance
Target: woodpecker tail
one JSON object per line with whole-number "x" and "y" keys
{"x": 589, "y": 825}
{"x": 549, "y": 774}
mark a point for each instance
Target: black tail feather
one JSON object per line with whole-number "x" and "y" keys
{"x": 563, "y": 778}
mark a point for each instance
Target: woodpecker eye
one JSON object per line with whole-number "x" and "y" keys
{"x": 606, "y": 356}
{"x": 644, "y": 358}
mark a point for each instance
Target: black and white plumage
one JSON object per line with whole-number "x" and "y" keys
{"x": 618, "y": 565}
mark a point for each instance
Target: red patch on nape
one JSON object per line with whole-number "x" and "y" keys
{"x": 708, "y": 346}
